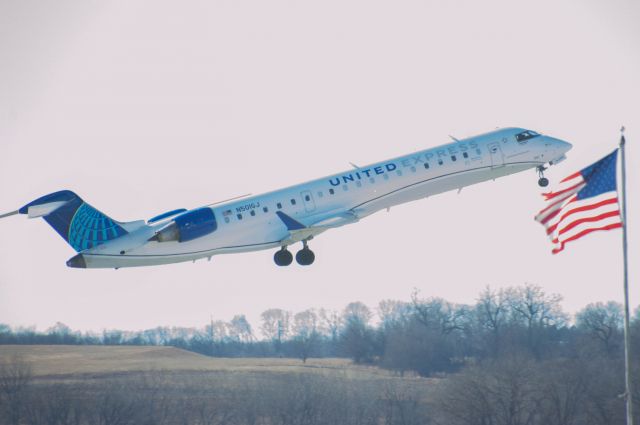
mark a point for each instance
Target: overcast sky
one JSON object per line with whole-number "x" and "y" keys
{"x": 142, "y": 107}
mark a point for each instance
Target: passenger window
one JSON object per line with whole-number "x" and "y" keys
{"x": 385, "y": 176}
{"x": 226, "y": 219}
{"x": 440, "y": 162}
{"x": 426, "y": 165}
{"x": 464, "y": 154}
{"x": 253, "y": 213}
{"x": 345, "y": 187}
{"x": 399, "y": 172}
{"x": 293, "y": 201}
{"x": 413, "y": 169}
{"x": 279, "y": 205}
{"x": 372, "y": 180}
{"x": 265, "y": 209}
{"x": 307, "y": 198}
{"x": 359, "y": 183}
{"x": 239, "y": 216}
{"x": 478, "y": 151}
{"x": 331, "y": 191}
{"x": 453, "y": 158}
{"x": 320, "y": 194}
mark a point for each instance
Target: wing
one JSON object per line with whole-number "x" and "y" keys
{"x": 299, "y": 232}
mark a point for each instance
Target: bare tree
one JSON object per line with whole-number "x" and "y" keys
{"x": 392, "y": 311}
{"x": 401, "y": 404}
{"x": 603, "y": 322}
{"x": 15, "y": 379}
{"x": 436, "y": 313}
{"x": 240, "y": 329}
{"x": 492, "y": 312}
{"x": 502, "y": 392}
{"x": 358, "y": 340}
{"x": 275, "y": 326}
{"x": 564, "y": 385}
{"x": 357, "y": 310}
{"x": 531, "y": 306}
{"x": 330, "y": 324}
{"x": 53, "y": 405}
{"x": 305, "y": 333}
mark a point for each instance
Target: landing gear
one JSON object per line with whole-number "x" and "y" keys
{"x": 283, "y": 257}
{"x": 305, "y": 257}
{"x": 542, "y": 181}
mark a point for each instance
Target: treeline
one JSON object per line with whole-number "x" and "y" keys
{"x": 424, "y": 335}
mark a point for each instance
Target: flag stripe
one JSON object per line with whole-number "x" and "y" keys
{"x": 587, "y": 231}
{"x": 557, "y": 203}
{"x": 580, "y": 230}
{"x": 557, "y": 210}
{"x": 580, "y": 209}
{"x": 588, "y": 220}
{"x": 556, "y": 235}
{"x": 552, "y": 195}
{"x": 571, "y": 176}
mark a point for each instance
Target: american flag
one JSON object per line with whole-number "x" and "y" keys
{"x": 585, "y": 202}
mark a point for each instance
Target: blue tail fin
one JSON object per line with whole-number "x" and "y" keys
{"x": 81, "y": 225}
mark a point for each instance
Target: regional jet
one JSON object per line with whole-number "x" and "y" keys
{"x": 296, "y": 214}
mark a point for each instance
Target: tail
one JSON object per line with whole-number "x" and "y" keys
{"x": 80, "y": 224}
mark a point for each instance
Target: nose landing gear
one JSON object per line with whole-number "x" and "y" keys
{"x": 542, "y": 181}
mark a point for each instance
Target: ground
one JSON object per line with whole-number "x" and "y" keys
{"x": 67, "y": 360}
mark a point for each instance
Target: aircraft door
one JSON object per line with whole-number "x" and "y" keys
{"x": 307, "y": 198}
{"x": 496, "y": 155}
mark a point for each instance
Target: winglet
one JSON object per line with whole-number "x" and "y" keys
{"x": 291, "y": 223}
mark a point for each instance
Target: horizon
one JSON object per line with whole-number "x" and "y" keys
{"x": 634, "y": 312}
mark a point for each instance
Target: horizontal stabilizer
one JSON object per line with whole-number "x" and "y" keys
{"x": 10, "y": 214}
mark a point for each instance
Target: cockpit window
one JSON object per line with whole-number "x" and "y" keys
{"x": 526, "y": 135}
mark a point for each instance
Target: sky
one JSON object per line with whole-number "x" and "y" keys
{"x": 142, "y": 107}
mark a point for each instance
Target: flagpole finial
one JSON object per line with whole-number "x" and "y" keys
{"x": 622, "y": 139}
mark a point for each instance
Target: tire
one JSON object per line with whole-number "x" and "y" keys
{"x": 305, "y": 257}
{"x": 283, "y": 257}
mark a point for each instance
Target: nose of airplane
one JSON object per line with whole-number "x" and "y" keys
{"x": 562, "y": 146}
{"x": 557, "y": 148}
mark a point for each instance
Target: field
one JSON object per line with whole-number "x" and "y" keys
{"x": 164, "y": 385}
{"x": 67, "y": 360}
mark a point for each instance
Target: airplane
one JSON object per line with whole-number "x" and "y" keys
{"x": 294, "y": 214}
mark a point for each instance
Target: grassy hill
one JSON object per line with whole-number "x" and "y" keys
{"x": 64, "y": 360}
{"x": 166, "y": 386}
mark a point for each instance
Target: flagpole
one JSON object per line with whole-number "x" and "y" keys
{"x": 627, "y": 356}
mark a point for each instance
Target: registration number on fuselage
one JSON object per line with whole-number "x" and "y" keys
{"x": 248, "y": 207}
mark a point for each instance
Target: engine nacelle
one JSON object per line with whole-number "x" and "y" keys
{"x": 188, "y": 226}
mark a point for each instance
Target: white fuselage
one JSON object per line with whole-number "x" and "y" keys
{"x": 251, "y": 223}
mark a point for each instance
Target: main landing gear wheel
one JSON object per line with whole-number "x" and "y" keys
{"x": 283, "y": 257}
{"x": 542, "y": 181}
{"x": 305, "y": 257}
